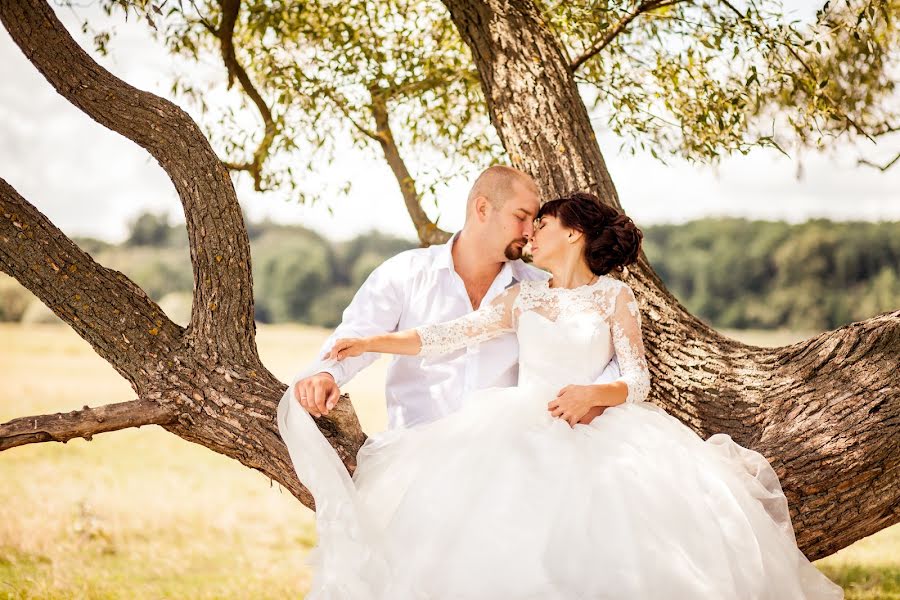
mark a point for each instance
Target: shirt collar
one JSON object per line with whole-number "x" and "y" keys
{"x": 444, "y": 260}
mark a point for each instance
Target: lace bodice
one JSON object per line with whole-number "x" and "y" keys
{"x": 566, "y": 336}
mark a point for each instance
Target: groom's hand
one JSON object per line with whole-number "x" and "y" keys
{"x": 318, "y": 393}
{"x": 592, "y": 414}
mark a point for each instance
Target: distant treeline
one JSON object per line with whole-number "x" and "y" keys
{"x": 733, "y": 273}
{"x": 737, "y": 273}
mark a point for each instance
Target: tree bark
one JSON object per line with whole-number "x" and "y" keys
{"x": 825, "y": 412}
{"x": 84, "y": 423}
{"x": 222, "y": 315}
{"x": 204, "y": 383}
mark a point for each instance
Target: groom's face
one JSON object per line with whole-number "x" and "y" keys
{"x": 514, "y": 220}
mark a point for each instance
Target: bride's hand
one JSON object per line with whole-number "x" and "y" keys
{"x": 347, "y": 347}
{"x": 572, "y": 403}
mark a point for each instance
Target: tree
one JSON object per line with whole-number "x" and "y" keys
{"x": 691, "y": 78}
{"x": 825, "y": 411}
{"x": 149, "y": 230}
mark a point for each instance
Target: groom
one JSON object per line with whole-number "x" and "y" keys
{"x": 435, "y": 284}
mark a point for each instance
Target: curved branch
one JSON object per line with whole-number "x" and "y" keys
{"x": 222, "y": 313}
{"x": 84, "y": 423}
{"x": 613, "y": 32}
{"x": 225, "y": 33}
{"x": 428, "y": 231}
{"x": 103, "y": 306}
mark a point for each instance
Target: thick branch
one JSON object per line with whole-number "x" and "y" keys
{"x": 428, "y": 231}
{"x": 84, "y": 423}
{"x": 610, "y": 34}
{"x": 103, "y": 306}
{"x": 222, "y": 315}
{"x": 209, "y": 379}
{"x": 225, "y": 33}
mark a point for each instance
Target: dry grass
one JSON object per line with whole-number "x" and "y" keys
{"x": 142, "y": 514}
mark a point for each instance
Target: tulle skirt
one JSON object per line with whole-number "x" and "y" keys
{"x": 502, "y": 501}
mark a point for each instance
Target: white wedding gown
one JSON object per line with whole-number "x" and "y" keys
{"x": 502, "y": 501}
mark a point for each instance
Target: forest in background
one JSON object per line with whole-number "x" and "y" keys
{"x": 731, "y": 272}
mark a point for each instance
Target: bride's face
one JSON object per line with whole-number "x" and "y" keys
{"x": 550, "y": 242}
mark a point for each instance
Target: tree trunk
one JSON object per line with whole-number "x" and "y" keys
{"x": 204, "y": 383}
{"x": 825, "y": 412}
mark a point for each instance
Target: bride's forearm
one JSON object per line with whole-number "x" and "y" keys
{"x": 400, "y": 342}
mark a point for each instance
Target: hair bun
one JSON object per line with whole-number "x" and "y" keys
{"x": 613, "y": 240}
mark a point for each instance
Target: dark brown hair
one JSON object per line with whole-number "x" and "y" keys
{"x": 612, "y": 240}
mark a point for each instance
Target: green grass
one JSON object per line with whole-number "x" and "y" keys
{"x": 142, "y": 514}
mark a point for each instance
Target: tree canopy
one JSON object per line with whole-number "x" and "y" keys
{"x": 694, "y": 79}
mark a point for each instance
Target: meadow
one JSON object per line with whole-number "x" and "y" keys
{"x": 142, "y": 514}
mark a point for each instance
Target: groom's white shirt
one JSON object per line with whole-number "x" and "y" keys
{"x": 419, "y": 287}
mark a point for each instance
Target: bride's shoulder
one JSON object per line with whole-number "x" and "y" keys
{"x": 523, "y": 289}
{"x": 615, "y": 289}
{"x": 528, "y": 293}
{"x": 608, "y": 282}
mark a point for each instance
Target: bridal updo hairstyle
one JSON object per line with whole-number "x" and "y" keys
{"x": 612, "y": 240}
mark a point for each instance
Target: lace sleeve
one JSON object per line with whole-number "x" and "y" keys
{"x": 489, "y": 321}
{"x": 625, "y": 326}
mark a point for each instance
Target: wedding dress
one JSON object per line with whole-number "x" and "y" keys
{"x": 501, "y": 500}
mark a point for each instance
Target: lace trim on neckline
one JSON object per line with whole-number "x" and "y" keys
{"x": 545, "y": 283}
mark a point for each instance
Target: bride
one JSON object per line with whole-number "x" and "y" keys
{"x": 511, "y": 498}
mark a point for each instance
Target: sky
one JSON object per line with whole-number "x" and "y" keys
{"x": 92, "y": 182}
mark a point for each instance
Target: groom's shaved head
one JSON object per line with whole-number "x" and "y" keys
{"x": 500, "y": 213}
{"x": 497, "y": 183}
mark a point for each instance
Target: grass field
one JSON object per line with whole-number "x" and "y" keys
{"x": 142, "y": 514}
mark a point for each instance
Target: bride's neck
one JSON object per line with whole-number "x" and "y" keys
{"x": 571, "y": 274}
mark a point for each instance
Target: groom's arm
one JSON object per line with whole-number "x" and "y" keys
{"x": 375, "y": 309}
{"x": 609, "y": 374}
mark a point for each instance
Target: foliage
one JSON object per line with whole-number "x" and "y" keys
{"x": 327, "y": 309}
{"x": 320, "y": 68}
{"x": 696, "y": 79}
{"x": 736, "y": 273}
{"x": 704, "y": 79}
{"x": 289, "y": 271}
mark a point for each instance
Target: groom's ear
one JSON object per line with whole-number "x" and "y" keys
{"x": 481, "y": 207}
